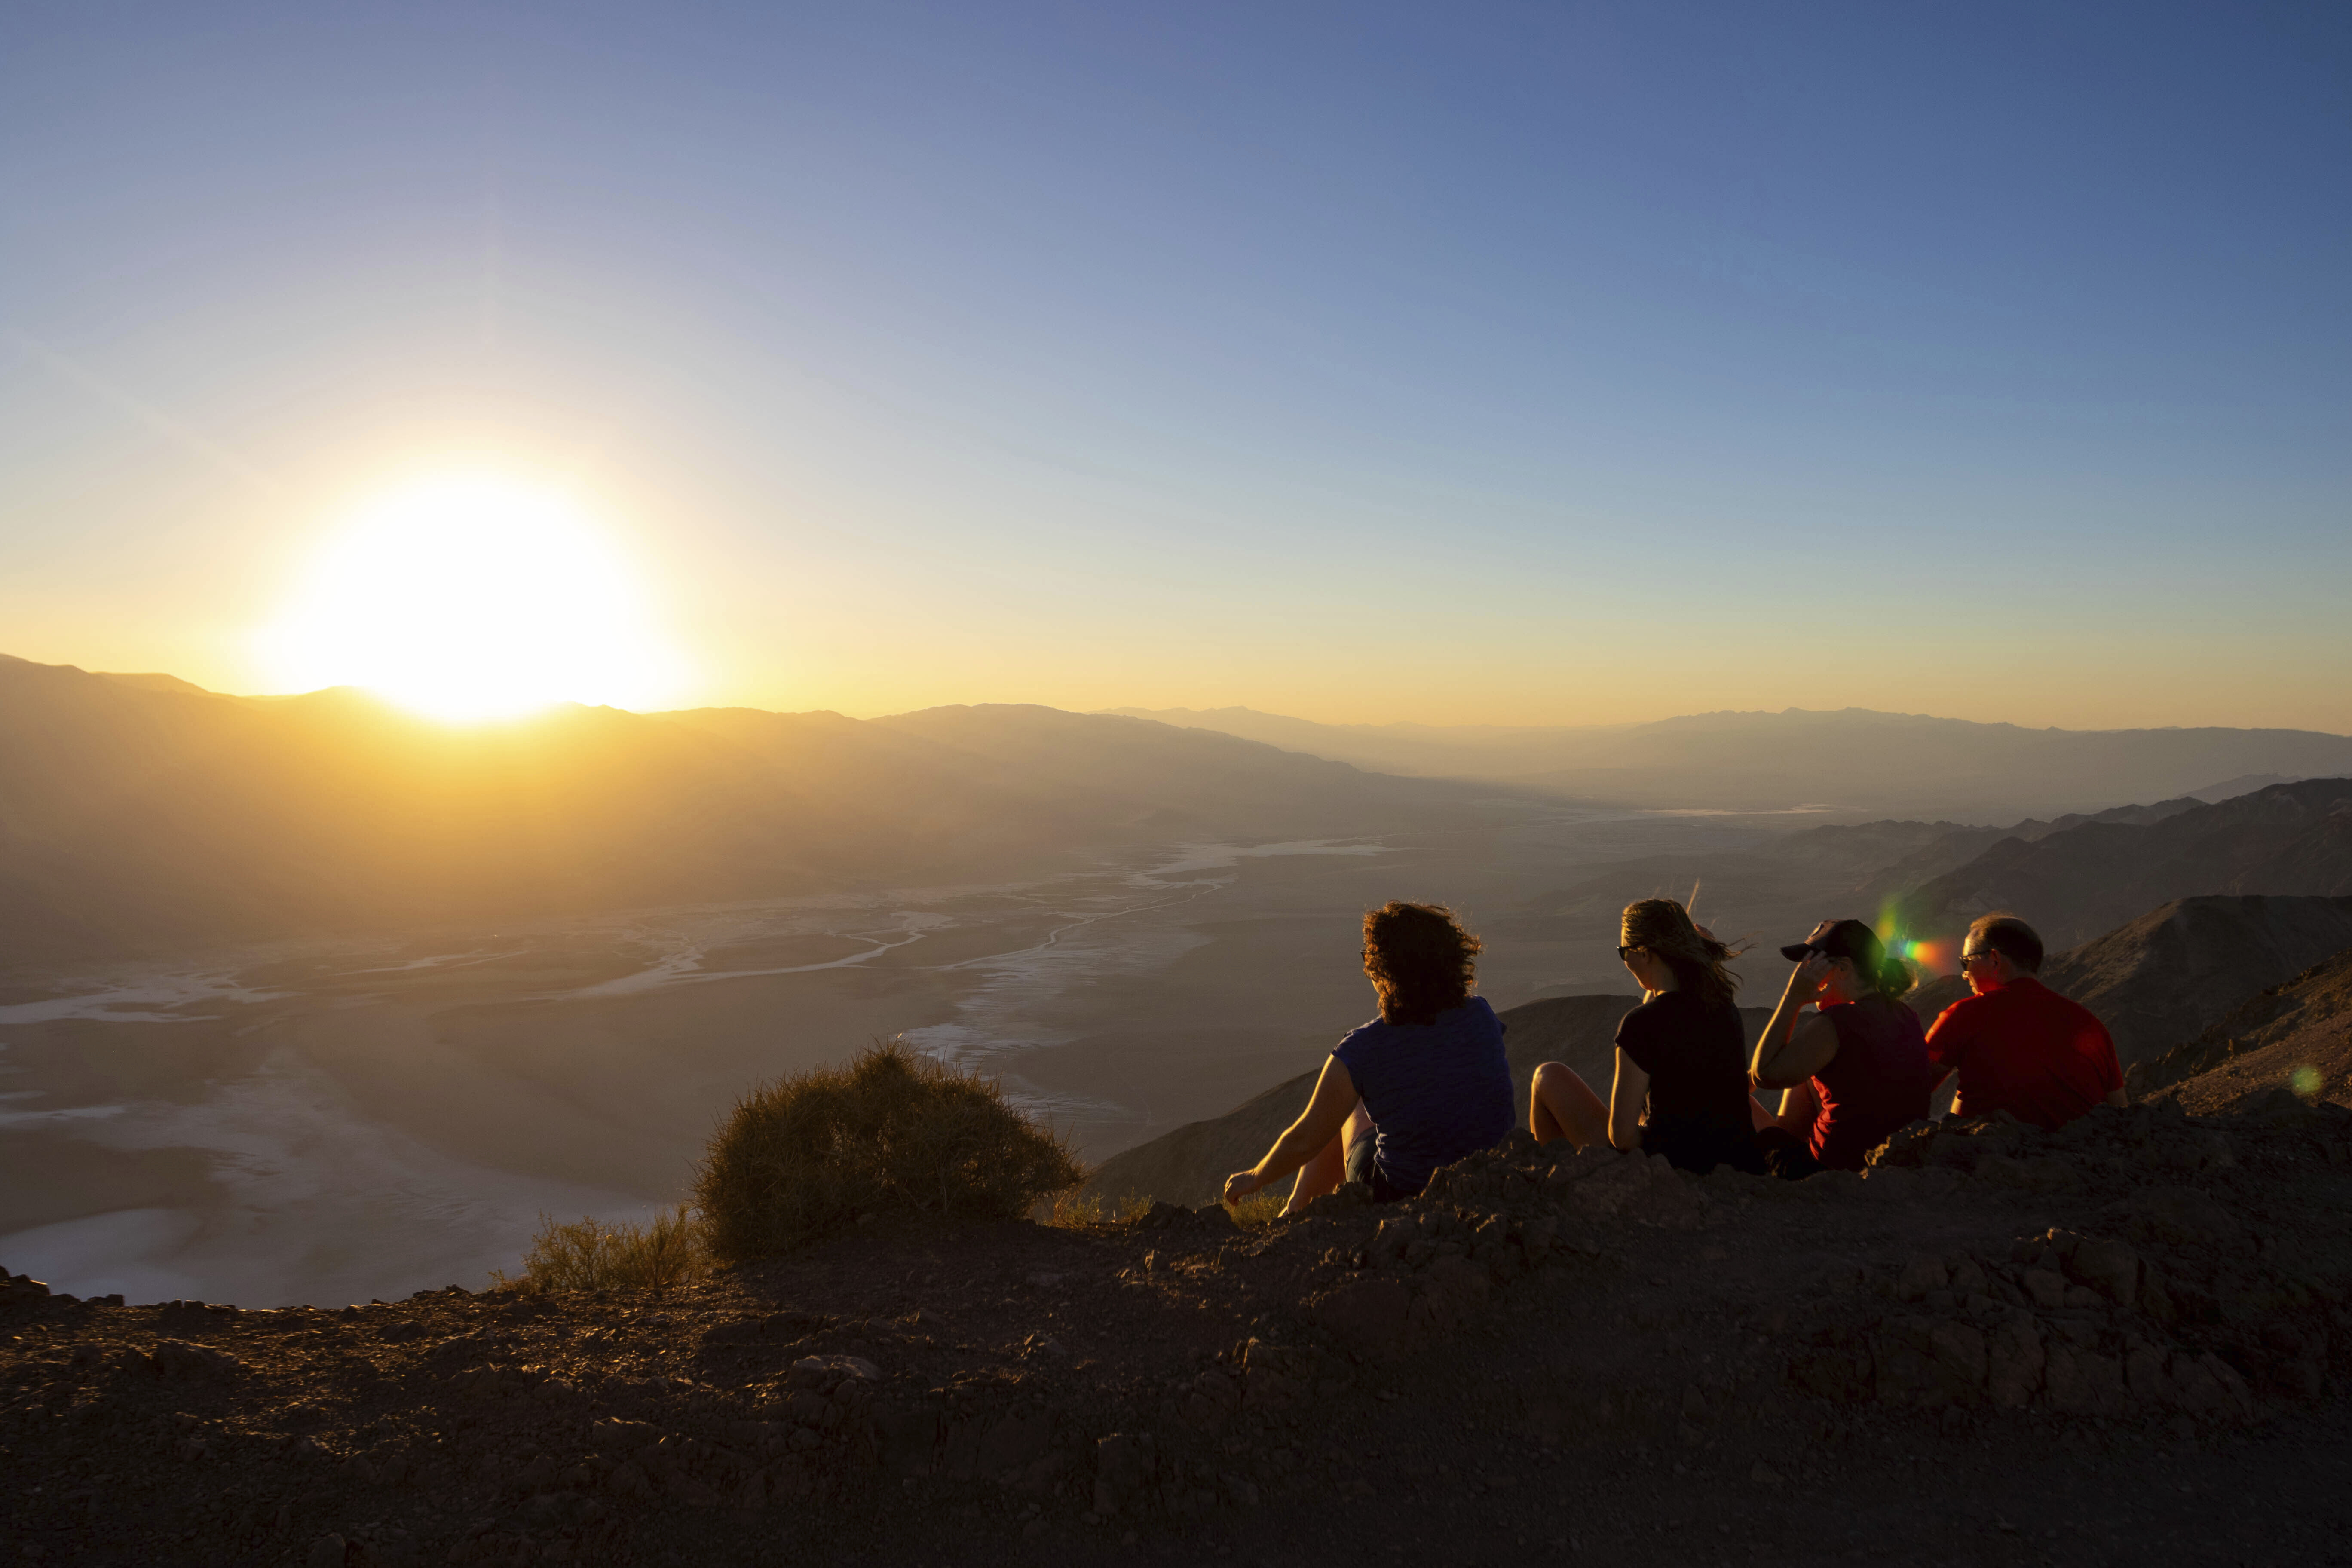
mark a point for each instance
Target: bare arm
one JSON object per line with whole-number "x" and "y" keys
{"x": 1943, "y": 1077}
{"x": 1326, "y": 1112}
{"x": 1790, "y": 1050}
{"x": 1627, "y": 1094}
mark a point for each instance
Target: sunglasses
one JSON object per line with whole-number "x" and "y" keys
{"x": 1625, "y": 952}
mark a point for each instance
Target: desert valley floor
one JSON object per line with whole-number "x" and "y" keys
{"x": 332, "y": 1122}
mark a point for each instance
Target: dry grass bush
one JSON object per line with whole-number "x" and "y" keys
{"x": 807, "y": 1155}
{"x": 589, "y": 1255}
{"x": 1087, "y": 1210}
{"x": 1259, "y": 1208}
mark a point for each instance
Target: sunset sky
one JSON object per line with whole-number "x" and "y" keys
{"x": 1479, "y": 363}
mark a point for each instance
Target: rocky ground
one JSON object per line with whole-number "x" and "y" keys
{"x": 2126, "y": 1343}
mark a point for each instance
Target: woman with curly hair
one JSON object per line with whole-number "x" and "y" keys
{"x": 1419, "y": 1087}
{"x": 1681, "y": 1083}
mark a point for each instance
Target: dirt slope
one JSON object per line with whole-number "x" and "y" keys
{"x": 1190, "y": 1164}
{"x": 2294, "y": 1037}
{"x": 2126, "y": 1343}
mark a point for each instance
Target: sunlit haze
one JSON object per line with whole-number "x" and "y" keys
{"x": 471, "y": 597}
{"x": 1368, "y": 362}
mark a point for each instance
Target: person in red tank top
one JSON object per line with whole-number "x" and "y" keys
{"x": 2016, "y": 1045}
{"x": 1856, "y": 1070}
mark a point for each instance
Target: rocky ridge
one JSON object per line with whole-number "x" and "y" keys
{"x": 2298, "y": 1030}
{"x": 1523, "y": 1360}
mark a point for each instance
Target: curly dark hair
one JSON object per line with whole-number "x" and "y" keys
{"x": 1420, "y": 959}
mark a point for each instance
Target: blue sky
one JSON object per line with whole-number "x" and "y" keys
{"x": 1498, "y": 363}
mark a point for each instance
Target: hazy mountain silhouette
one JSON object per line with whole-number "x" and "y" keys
{"x": 140, "y": 814}
{"x": 1853, "y": 758}
{"x": 2075, "y": 883}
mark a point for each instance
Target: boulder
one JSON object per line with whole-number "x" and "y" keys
{"x": 829, "y": 1372}
{"x": 2183, "y": 1216}
{"x": 1452, "y": 1292}
{"x": 2047, "y": 1287}
{"x": 2014, "y": 1362}
{"x": 1929, "y": 1362}
{"x": 1366, "y": 1316}
{"x": 2109, "y": 1267}
{"x": 1014, "y": 1442}
{"x": 1921, "y": 1273}
{"x": 905, "y": 1436}
{"x": 2208, "y": 1385}
{"x": 1124, "y": 1465}
{"x": 2083, "y": 1382}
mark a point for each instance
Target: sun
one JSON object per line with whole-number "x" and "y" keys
{"x": 472, "y": 596}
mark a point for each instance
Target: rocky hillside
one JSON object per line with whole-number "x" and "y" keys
{"x": 1190, "y": 1164}
{"x": 2291, "y": 838}
{"x": 2164, "y": 977}
{"x": 2296, "y": 1037}
{"x": 2128, "y": 1341}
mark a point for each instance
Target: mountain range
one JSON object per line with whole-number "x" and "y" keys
{"x": 1853, "y": 758}
{"x": 2093, "y": 876}
{"x": 140, "y": 814}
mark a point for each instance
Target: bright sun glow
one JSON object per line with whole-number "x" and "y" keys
{"x": 472, "y": 597}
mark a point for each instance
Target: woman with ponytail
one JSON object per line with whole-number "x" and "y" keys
{"x": 1854, "y": 1071}
{"x": 1681, "y": 1081}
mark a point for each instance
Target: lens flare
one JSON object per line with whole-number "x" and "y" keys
{"x": 1937, "y": 956}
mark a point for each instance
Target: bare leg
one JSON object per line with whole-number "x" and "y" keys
{"x": 1562, "y": 1105}
{"x": 1328, "y": 1168}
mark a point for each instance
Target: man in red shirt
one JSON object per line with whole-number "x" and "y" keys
{"x": 2016, "y": 1045}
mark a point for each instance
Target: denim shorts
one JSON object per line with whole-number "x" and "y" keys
{"x": 1362, "y": 1167}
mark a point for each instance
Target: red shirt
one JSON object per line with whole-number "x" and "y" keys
{"x": 2027, "y": 1050}
{"x": 1877, "y": 1083}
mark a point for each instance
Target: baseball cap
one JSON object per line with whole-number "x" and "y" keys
{"x": 1847, "y": 939}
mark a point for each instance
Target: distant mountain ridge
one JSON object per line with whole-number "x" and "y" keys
{"x": 2290, "y": 838}
{"x": 1775, "y": 891}
{"x": 1855, "y": 759}
{"x": 139, "y": 815}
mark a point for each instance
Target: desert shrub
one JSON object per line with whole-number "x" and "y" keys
{"x": 1260, "y": 1207}
{"x": 808, "y": 1155}
{"x": 1074, "y": 1210}
{"x": 589, "y": 1255}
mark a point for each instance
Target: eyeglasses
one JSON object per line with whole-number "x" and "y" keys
{"x": 1968, "y": 958}
{"x": 1625, "y": 952}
